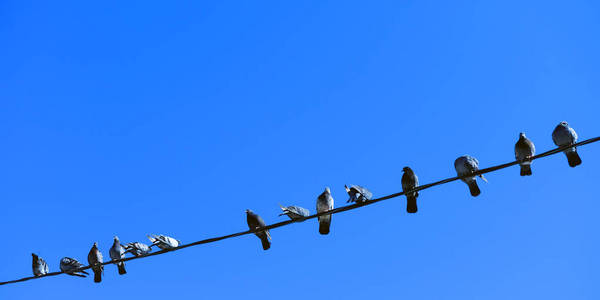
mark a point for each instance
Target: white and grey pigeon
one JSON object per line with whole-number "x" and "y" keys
{"x": 164, "y": 242}
{"x": 40, "y": 267}
{"x": 466, "y": 165}
{"x": 564, "y": 135}
{"x": 295, "y": 213}
{"x": 324, "y": 203}
{"x": 524, "y": 150}
{"x": 409, "y": 182}
{"x": 358, "y": 194}
{"x": 137, "y": 248}
{"x": 117, "y": 252}
{"x": 256, "y": 222}
{"x": 70, "y": 265}
{"x": 95, "y": 260}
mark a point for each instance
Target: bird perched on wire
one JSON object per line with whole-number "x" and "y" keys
{"x": 324, "y": 203}
{"x": 137, "y": 248}
{"x": 164, "y": 242}
{"x": 564, "y": 135}
{"x": 409, "y": 182}
{"x": 466, "y": 165}
{"x": 256, "y": 222}
{"x": 95, "y": 261}
{"x": 40, "y": 267}
{"x": 117, "y": 252}
{"x": 295, "y": 213}
{"x": 358, "y": 194}
{"x": 524, "y": 150}
{"x": 70, "y": 265}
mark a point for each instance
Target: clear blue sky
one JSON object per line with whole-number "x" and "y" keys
{"x": 171, "y": 117}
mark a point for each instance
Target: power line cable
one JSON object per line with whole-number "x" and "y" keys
{"x": 334, "y": 211}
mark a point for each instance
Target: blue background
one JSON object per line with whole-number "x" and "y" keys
{"x": 170, "y": 117}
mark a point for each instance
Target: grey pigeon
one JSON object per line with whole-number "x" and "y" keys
{"x": 295, "y": 213}
{"x": 137, "y": 248}
{"x": 564, "y": 135}
{"x": 40, "y": 267}
{"x": 466, "y": 165}
{"x": 69, "y": 265}
{"x": 256, "y": 222}
{"x": 409, "y": 182}
{"x": 324, "y": 203}
{"x": 358, "y": 194}
{"x": 117, "y": 252}
{"x": 524, "y": 150}
{"x": 164, "y": 242}
{"x": 95, "y": 260}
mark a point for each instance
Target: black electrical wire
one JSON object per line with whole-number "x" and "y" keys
{"x": 334, "y": 211}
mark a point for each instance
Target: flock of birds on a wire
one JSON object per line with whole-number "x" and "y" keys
{"x": 563, "y": 135}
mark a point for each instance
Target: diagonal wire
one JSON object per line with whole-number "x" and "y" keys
{"x": 334, "y": 211}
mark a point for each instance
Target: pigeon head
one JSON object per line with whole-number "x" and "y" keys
{"x": 406, "y": 169}
{"x": 95, "y": 245}
{"x": 522, "y": 135}
{"x": 34, "y": 255}
{"x": 248, "y": 211}
{"x": 327, "y": 190}
{"x": 564, "y": 123}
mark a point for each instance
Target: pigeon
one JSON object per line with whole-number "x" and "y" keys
{"x": 95, "y": 260}
{"x": 564, "y": 135}
{"x": 40, "y": 267}
{"x": 69, "y": 265}
{"x": 358, "y": 194}
{"x": 164, "y": 242}
{"x": 409, "y": 182}
{"x": 295, "y": 213}
{"x": 256, "y": 222}
{"x": 466, "y": 165}
{"x": 324, "y": 203}
{"x": 137, "y": 248}
{"x": 524, "y": 150}
{"x": 117, "y": 252}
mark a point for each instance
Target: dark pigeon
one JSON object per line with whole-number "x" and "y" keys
{"x": 256, "y": 222}
{"x": 358, "y": 194}
{"x": 524, "y": 150}
{"x": 117, "y": 252}
{"x": 70, "y": 265}
{"x": 324, "y": 203}
{"x": 137, "y": 248}
{"x": 466, "y": 165}
{"x": 295, "y": 213}
{"x": 40, "y": 267}
{"x": 95, "y": 260}
{"x": 564, "y": 135}
{"x": 409, "y": 182}
{"x": 164, "y": 242}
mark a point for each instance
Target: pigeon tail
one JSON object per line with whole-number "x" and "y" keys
{"x": 411, "y": 204}
{"x": 525, "y": 170}
{"x": 574, "y": 159}
{"x": 266, "y": 244}
{"x": 121, "y": 267}
{"x": 474, "y": 188}
{"x": 324, "y": 227}
{"x": 75, "y": 274}
{"x": 97, "y": 276}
